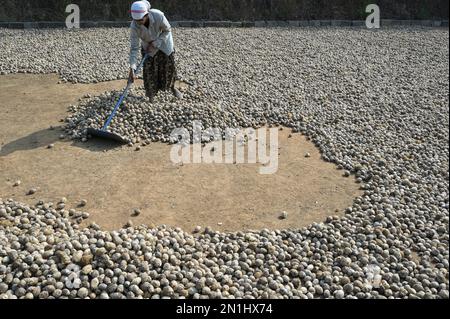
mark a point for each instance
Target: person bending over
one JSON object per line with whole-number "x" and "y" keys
{"x": 151, "y": 33}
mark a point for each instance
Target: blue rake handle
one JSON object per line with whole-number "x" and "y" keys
{"x": 124, "y": 94}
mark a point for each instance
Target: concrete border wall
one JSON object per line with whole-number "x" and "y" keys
{"x": 232, "y": 24}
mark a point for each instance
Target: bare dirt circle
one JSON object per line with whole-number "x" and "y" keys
{"x": 116, "y": 180}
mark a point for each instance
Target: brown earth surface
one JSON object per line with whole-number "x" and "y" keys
{"x": 116, "y": 180}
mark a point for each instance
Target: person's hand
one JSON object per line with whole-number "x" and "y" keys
{"x": 132, "y": 76}
{"x": 151, "y": 47}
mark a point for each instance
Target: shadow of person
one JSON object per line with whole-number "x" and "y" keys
{"x": 34, "y": 140}
{"x": 43, "y": 138}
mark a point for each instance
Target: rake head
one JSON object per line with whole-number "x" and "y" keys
{"x": 106, "y": 135}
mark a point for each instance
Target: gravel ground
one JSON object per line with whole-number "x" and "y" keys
{"x": 374, "y": 103}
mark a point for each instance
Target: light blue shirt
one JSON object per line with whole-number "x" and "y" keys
{"x": 159, "y": 32}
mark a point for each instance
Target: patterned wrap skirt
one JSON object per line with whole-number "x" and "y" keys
{"x": 159, "y": 73}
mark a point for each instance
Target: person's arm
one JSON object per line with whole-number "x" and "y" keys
{"x": 135, "y": 44}
{"x": 165, "y": 32}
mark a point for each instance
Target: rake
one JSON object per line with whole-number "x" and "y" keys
{"x": 103, "y": 133}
